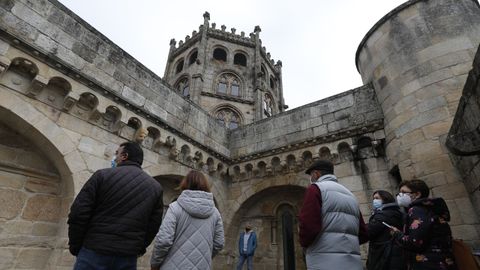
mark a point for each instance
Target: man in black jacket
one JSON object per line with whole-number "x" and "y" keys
{"x": 116, "y": 215}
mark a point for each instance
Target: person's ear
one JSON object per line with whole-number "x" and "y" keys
{"x": 124, "y": 156}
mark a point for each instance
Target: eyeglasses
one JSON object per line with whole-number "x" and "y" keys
{"x": 403, "y": 193}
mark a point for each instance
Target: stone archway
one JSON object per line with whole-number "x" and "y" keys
{"x": 38, "y": 165}
{"x": 262, "y": 211}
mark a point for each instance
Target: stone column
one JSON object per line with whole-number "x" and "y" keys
{"x": 417, "y": 57}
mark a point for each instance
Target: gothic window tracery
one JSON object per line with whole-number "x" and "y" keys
{"x": 228, "y": 84}
{"x": 228, "y": 118}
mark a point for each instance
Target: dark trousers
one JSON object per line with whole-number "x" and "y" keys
{"x": 242, "y": 259}
{"x": 90, "y": 260}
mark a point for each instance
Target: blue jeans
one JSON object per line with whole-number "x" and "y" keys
{"x": 90, "y": 260}
{"x": 242, "y": 260}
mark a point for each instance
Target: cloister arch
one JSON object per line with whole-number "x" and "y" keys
{"x": 47, "y": 190}
{"x": 259, "y": 205}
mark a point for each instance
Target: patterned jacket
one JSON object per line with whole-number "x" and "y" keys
{"x": 427, "y": 236}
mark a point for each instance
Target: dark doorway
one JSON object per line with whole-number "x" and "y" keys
{"x": 288, "y": 242}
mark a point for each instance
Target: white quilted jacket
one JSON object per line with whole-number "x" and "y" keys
{"x": 190, "y": 235}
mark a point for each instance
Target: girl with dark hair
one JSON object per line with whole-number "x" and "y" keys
{"x": 426, "y": 237}
{"x": 192, "y": 230}
{"x": 383, "y": 253}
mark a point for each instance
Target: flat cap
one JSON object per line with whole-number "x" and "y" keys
{"x": 321, "y": 165}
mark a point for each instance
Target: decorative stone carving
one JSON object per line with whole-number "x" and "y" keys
{"x": 140, "y": 135}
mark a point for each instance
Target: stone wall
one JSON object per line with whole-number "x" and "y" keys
{"x": 417, "y": 59}
{"x": 60, "y": 145}
{"x": 339, "y": 116}
{"x": 47, "y": 28}
{"x": 464, "y": 137}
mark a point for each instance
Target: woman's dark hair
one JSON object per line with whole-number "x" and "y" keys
{"x": 134, "y": 152}
{"x": 417, "y": 185}
{"x": 194, "y": 180}
{"x": 386, "y": 196}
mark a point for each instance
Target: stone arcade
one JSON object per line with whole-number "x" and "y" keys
{"x": 68, "y": 96}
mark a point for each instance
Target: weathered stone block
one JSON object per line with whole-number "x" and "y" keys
{"x": 7, "y": 257}
{"x": 450, "y": 191}
{"x": 436, "y": 129}
{"x": 431, "y": 104}
{"x": 464, "y": 232}
{"x": 421, "y": 120}
{"x": 33, "y": 258}
{"x": 42, "y": 208}
{"x": 16, "y": 227}
{"x": 44, "y": 229}
{"x": 353, "y": 183}
{"x": 12, "y": 202}
{"x": 91, "y": 146}
{"x": 42, "y": 186}
{"x": 12, "y": 180}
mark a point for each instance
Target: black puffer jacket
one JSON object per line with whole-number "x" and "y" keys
{"x": 383, "y": 252}
{"x": 117, "y": 212}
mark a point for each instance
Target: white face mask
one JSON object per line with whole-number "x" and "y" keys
{"x": 403, "y": 200}
{"x": 377, "y": 203}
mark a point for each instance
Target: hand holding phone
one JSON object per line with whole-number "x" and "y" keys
{"x": 386, "y": 224}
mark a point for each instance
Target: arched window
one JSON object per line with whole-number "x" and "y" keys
{"x": 267, "y": 105}
{"x": 264, "y": 72}
{"x": 193, "y": 58}
{"x": 235, "y": 88}
{"x": 228, "y": 118}
{"x": 272, "y": 82}
{"x": 179, "y": 66}
{"x": 220, "y": 54}
{"x": 183, "y": 87}
{"x": 228, "y": 84}
{"x": 240, "y": 59}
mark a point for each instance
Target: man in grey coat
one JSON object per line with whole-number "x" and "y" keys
{"x": 331, "y": 225}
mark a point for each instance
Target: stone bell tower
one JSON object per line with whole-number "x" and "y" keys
{"x": 229, "y": 75}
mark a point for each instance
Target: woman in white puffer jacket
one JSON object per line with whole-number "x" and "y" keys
{"x": 192, "y": 230}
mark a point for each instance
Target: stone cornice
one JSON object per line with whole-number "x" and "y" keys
{"x": 334, "y": 136}
{"x": 65, "y": 68}
{"x": 229, "y": 98}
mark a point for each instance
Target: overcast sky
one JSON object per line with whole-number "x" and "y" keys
{"x": 316, "y": 40}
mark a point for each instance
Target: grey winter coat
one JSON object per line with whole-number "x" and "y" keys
{"x": 190, "y": 235}
{"x": 338, "y": 244}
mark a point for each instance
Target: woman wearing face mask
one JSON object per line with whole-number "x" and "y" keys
{"x": 426, "y": 237}
{"x": 383, "y": 253}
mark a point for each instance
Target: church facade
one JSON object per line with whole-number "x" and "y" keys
{"x": 69, "y": 96}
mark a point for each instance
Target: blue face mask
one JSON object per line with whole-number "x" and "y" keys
{"x": 377, "y": 203}
{"x": 113, "y": 163}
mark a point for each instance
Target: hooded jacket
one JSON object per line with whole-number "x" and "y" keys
{"x": 427, "y": 236}
{"x": 191, "y": 233}
{"x": 383, "y": 253}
